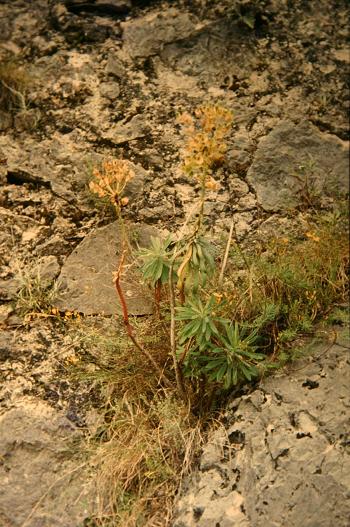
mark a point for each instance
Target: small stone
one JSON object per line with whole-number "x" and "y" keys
{"x": 237, "y": 187}
{"x": 123, "y": 132}
{"x": 9, "y": 288}
{"x": 343, "y": 55}
{"x": 113, "y": 6}
{"x": 49, "y": 268}
{"x": 5, "y": 312}
{"x": 43, "y": 46}
{"x": 247, "y": 202}
{"x": 31, "y": 234}
{"x": 5, "y": 120}
{"x": 243, "y": 223}
{"x": 110, "y": 90}
{"x": 114, "y": 67}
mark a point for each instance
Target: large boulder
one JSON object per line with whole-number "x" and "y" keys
{"x": 296, "y": 163}
{"x": 146, "y": 36}
{"x": 86, "y": 279}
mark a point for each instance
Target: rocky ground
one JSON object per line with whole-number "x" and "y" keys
{"x": 281, "y": 456}
{"x": 108, "y": 78}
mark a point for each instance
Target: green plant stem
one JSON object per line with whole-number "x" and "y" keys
{"x": 227, "y": 250}
{"x": 198, "y": 226}
{"x": 201, "y": 208}
{"x": 157, "y": 296}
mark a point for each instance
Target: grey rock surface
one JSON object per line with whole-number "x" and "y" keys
{"x": 298, "y": 162}
{"x": 86, "y": 279}
{"x": 282, "y": 457}
{"x": 146, "y": 36}
{"x": 162, "y": 59}
{"x": 36, "y": 468}
{"x": 123, "y": 132}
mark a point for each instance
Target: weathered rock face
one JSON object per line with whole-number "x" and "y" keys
{"x": 296, "y": 162}
{"x": 36, "y": 447}
{"x": 148, "y": 35}
{"x": 70, "y": 17}
{"x": 103, "y": 85}
{"x": 86, "y": 279}
{"x": 283, "y": 456}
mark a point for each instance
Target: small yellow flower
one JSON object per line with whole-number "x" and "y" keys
{"x": 72, "y": 359}
{"x": 211, "y": 184}
{"x": 218, "y": 297}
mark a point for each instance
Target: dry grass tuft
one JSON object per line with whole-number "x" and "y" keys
{"x": 14, "y": 82}
{"x": 148, "y": 439}
{"x": 110, "y": 360}
{"x": 291, "y": 284}
{"x": 36, "y": 294}
{"x": 149, "y": 447}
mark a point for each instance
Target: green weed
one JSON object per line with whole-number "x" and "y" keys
{"x": 35, "y": 295}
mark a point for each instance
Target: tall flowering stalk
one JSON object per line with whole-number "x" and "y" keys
{"x": 110, "y": 181}
{"x": 204, "y": 152}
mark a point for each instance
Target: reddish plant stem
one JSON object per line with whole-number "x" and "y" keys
{"x": 178, "y": 373}
{"x": 129, "y": 327}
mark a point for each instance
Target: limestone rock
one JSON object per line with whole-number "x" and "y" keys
{"x": 146, "y": 36}
{"x": 114, "y": 67}
{"x": 283, "y": 458}
{"x": 86, "y": 283}
{"x": 77, "y": 28}
{"x": 5, "y": 120}
{"x": 40, "y": 483}
{"x": 110, "y": 90}
{"x": 102, "y": 7}
{"x": 27, "y": 120}
{"x": 48, "y": 268}
{"x": 115, "y": 7}
{"x": 123, "y": 131}
{"x": 281, "y": 154}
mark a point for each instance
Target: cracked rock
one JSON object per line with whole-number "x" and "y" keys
{"x": 286, "y": 461}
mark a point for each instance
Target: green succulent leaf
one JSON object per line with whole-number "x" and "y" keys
{"x": 231, "y": 357}
{"x": 157, "y": 260}
{"x": 201, "y": 323}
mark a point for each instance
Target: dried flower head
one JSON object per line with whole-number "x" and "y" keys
{"x": 111, "y": 179}
{"x": 206, "y": 134}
